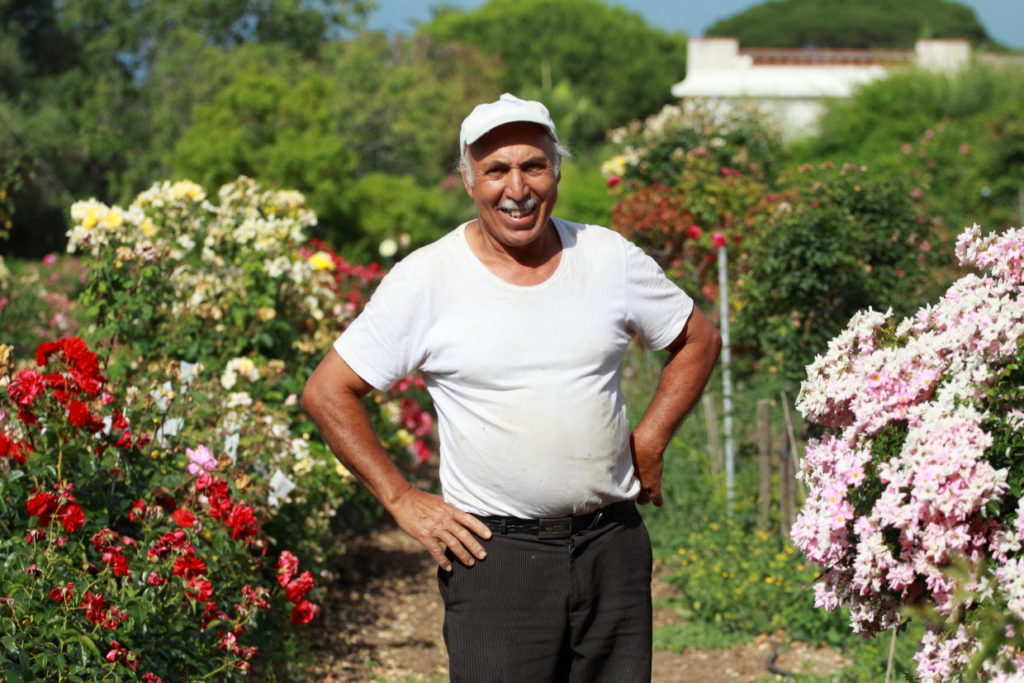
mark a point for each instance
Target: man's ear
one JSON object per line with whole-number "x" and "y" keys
{"x": 465, "y": 182}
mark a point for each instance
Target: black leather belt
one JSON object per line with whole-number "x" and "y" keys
{"x": 553, "y": 527}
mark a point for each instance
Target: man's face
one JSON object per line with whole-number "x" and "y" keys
{"x": 514, "y": 183}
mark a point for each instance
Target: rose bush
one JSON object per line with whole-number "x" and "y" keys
{"x": 115, "y": 558}
{"x": 915, "y": 491}
{"x": 689, "y": 179}
{"x": 223, "y": 309}
{"x": 169, "y": 489}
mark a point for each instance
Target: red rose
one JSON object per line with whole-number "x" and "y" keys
{"x": 72, "y": 517}
{"x": 125, "y": 440}
{"x": 137, "y": 511}
{"x": 117, "y": 561}
{"x": 25, "y": 387}
{"x": 79, "y": 415}
{"x": 189, "y": 566}
{"x": 95, "y": 607}
{"x": 45, "y": 350}
{"x": 242, "y": 521}
{"x": 123, "y": 655}
{"x": 42, "y": 505}
{"x": 115, "y": 617}
{"x": 287, "y": 565}
{"x": 296, "y": 589}
{"x": 63, "y": 593}
{"x": 304, "y": 612}
{"x": 204, "y": 589}
{"x": 103, "y": 538}
{"x": 184, "y": 518}
{"x": 13, "y": 449}
{"x": 718, "y": 239}
{"x": 211, "y": 613}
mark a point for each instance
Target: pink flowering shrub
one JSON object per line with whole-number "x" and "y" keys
{"x": 915, "y": 490}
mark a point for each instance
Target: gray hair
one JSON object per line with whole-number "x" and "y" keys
{"x": 465, "y": 168}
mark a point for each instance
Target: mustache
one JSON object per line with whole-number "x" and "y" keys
{"x": 524, "y": 206}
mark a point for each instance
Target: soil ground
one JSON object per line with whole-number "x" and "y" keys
{"x": 382, "y": 622}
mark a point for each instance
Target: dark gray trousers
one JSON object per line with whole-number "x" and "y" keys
{"x": 576, "y": 609}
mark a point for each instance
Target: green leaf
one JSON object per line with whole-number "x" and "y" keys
{"x": 88, "y": 642}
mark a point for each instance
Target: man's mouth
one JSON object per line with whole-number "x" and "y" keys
{"x": 518, "y": 209}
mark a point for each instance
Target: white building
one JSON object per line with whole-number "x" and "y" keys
{"x": 794, "y": 83}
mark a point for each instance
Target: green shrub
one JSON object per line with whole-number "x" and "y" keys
{"x": 396, "y": 214}
{"x": 956, "y": 137}
{"x": 841, "y": 239}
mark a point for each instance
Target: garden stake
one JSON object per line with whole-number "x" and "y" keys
{"x": 723, "y": 307}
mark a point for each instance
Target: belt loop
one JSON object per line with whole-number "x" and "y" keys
{"x": 504, "y": 525}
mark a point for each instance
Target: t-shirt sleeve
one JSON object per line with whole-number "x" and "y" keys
{"x": 657, "y": 309}
{"x": 384, "y": 343}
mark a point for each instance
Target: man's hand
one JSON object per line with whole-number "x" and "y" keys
{"x": 438, "y": 525}
{"x": 648, "y": 464}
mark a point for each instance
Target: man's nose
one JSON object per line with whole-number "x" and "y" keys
{"x": 515, "y": 186}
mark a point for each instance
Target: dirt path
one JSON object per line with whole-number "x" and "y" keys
{"x": 383, "y": 623}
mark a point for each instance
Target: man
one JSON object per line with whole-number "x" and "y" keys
{"x": 518, "y": 322}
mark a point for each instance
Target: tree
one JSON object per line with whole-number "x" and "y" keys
{"x": 382, "y": 110}
{"x": 608, "y": 55}
{"x": 73, "y": 88}
{"x": 401, "y": 100}
{"x": 276, "y": 126}
{"x": 864, "y": 24}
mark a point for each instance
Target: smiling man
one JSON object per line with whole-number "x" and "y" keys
{"x": 518, "y": 322}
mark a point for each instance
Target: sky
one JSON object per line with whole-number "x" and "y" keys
{"x": 1003, "y": 19}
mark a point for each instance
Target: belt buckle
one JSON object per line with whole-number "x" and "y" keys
{"x": 554, "y": 527}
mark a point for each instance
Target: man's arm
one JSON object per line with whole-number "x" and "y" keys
{"x": 331, "y": 398}
{"x": 692, "y": 357}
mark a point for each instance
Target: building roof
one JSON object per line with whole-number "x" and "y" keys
{"x": 716, "y": 67}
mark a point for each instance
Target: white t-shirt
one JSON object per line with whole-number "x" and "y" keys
{"x": 525, "y": 380}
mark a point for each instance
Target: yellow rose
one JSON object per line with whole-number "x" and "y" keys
{"x": 113, "y": 220}
{"x": 321, "y": 260}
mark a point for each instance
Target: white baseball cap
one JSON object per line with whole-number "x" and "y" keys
{"x": 507, "y": 109}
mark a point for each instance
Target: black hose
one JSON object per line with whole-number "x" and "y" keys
{"x": 771, "y": 662}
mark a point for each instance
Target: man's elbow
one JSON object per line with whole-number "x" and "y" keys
{"x": 308, "y": 397}
{"x": 315, "y": 393}
{"x": 715, "y": 345}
